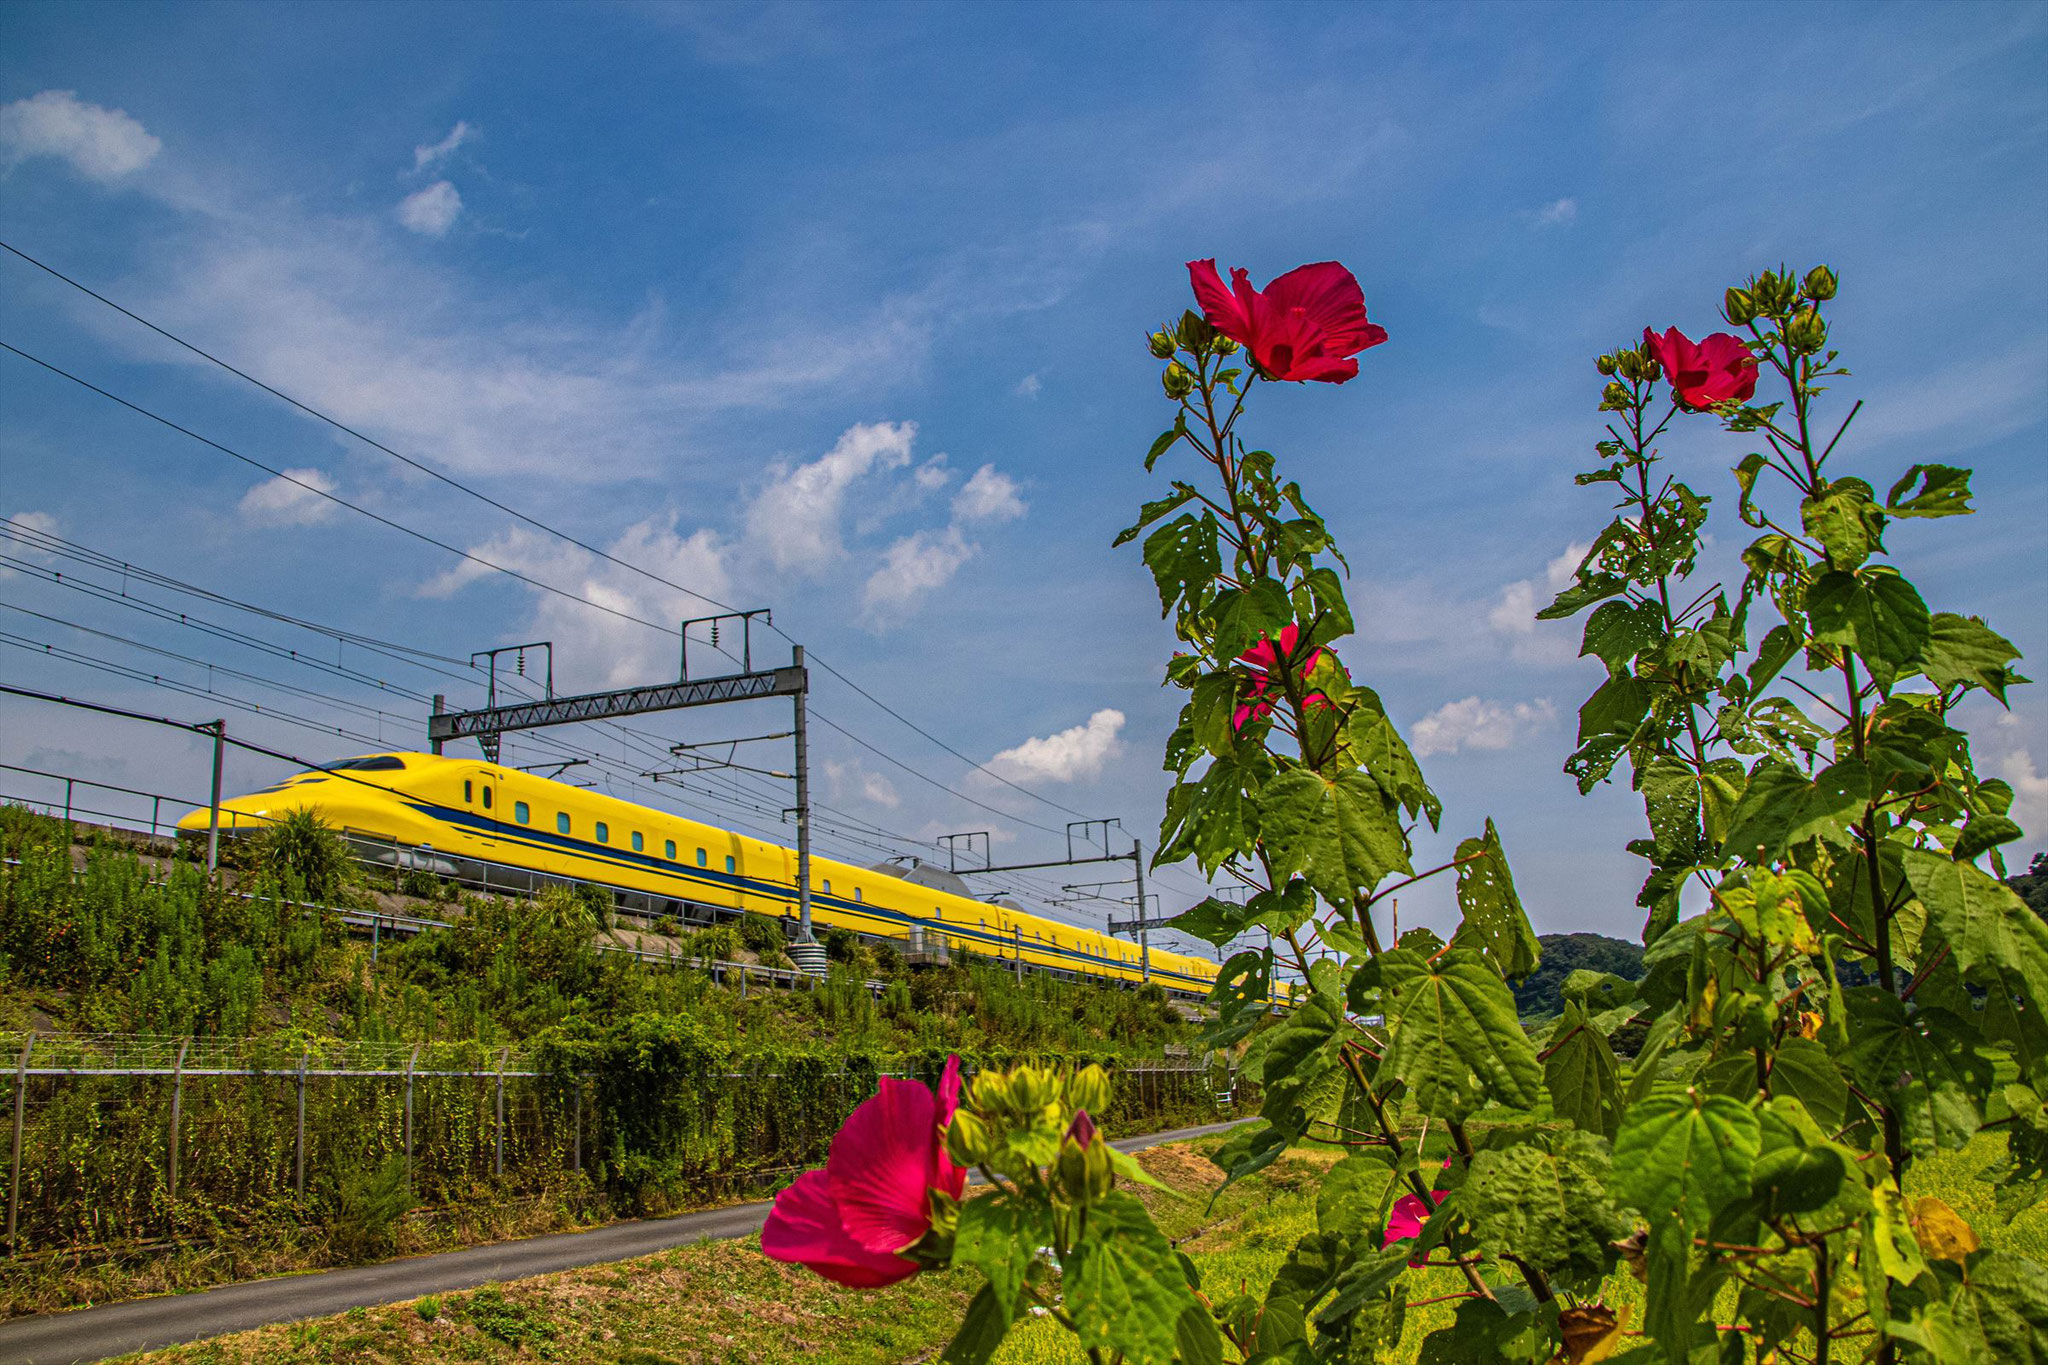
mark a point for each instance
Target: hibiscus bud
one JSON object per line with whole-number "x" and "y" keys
{"x": 1774, "y": 295}
{"x": 989, "y": 1092}
{"x": 1820, "y": 284}
{"x": 1739, "y": 307}
{"x": 1195, "y": 331}
{"x": 1606, "y": 364}
{"x": 1101, "y": 1170}
{"x": 1178, "y": 380}
{"x": 1032, "y": 1089}
{"x": 1807, "y": 332}
{"x": 967, "y": 1139}
{"x": 1615, "y": 396}
{"x": 1088, "y": 1089}
{"x": 1163, "y": 345}
{"x": 1223, "y": 345}
{"x": 1630, "y": 363}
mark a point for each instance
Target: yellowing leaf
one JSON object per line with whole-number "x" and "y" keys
{"x": 1941, "y": 1231}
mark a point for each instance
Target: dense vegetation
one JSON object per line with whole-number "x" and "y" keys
{"x": 1541, "y": 994}
{"x": 657, "y": 1087}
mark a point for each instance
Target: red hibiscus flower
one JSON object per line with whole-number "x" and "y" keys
{"x": 1305, "y": 325}
{"x": 1715, "y": 369}
{"x": 1266, "y": 658}
{"x": 850, "y": 1221}
{"x": 1405, "y": 1220}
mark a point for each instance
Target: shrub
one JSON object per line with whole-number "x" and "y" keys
{"x": 368, "y": 1202}
{"x": 759, "y": 934}
{"x": 305, "y": 854}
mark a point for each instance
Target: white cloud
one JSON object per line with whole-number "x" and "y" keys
{"x": 291, "y": 499}
{"x": 100, "y": 144}
{"x": 912, "y": 567}
{"x": 1072, "y": 754}
{"x": 23, "y": 546}
{"x": 425, "y": 155}
{"x": 431, "y": 211}
{"x": 2029, "y": 791}
{"x": 1476, "y": 724}
{"x": 1029, "y": 386}
{"x": 794, "y": 521}
{"x": 932, "y": 475}
{"x": 1513, "y": 615}
{"x": 596, "y": 648}
{"x": 1556, "y": 213}
{"x": 853, "y": 778}
{"x": 988, "y": 496}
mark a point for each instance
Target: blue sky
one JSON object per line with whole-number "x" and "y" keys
{"x": 840, "y": 310}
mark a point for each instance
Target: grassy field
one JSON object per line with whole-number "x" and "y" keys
{"x": 723, "y": 1302}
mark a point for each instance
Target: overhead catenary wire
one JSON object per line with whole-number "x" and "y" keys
{"x": 528, "y": 520}
{"x": 515, "y": 513}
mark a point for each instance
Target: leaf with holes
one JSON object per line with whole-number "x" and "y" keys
{"x": 1454, "y": 1036}
{"x": 1494, "y": 918}
{"x": 1341, "y": 833}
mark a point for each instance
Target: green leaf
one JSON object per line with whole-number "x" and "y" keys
{"x": 1165, "y": 440}
{"x": 1195, "y": 1332}
{"x": 1590, "y": 588}
{"x": 1845, "y": 521}
{"x": 1378, "y": 747}
{"x": 1214, "y": 921}
{"x": 1925, "y": 1063}
{"x": 1616, "y": 709}
{"x": 1123, "y": 1285}
{"x": 1183, "y": 557}
{"x": 999, "y": 1237}
{"x": 1671, "y": 799}
{"x": 2005, "y": 1297}
{"x": 1493, "y": 913}
{"x": 1876, "y": 613}
{"x": 1342, "y": 834}
{"x": 1155, "y": 509}
{"x": 1680, "y": 1158}
{"x": 1804, "y": 1070}
{"x": 1582, "y": 1075}
{"x": 1212, "y": 711}
{"x": 1352, "y": 1196}
{"x": 1983, "y": 920}
{"x": 1944, "y": 492}
{"x": 1546, "y": 1205}
{"x": 1618, "y": 631}
{"x": 1249, "y": 1149}
{"x": 1244, "y": 616}
{"x": 1454, "y": 1037}
{"x": 983, "y": 1330}
{"x": 1770, "y": 803}
{"x": 1832, "y": 805}
{"x": 1963, "y": 650}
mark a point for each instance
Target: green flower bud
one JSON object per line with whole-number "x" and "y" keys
{"x": 1607, "y": 365}
{"x": 1615, "y": 396}
{"x": 1806, "y": 332}
{"x": 1178, "y": 381}
{"x": 968, "y": 1139}
{"x": 1820, "y": 284}
{"x": 1163, "y": 345}
{"x": 1223, "y": 345}
{"x": 1630, "y": 363}
{"x": 1073, "y": 1169}
{"x": 1195, "y": 332}
{"x": 1739, "y": 307}
{"x": 1088, "y": 1089}
{"x": 988, "y": 1092}
{"x": 1101, "y": 1173}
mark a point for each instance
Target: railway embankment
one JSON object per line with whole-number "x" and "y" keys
{"x": 208, "y": 1081}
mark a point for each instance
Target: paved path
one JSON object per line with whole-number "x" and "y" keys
{"x": 86, "y": 1334}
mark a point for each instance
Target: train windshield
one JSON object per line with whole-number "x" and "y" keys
{"x": 373, "y": 763}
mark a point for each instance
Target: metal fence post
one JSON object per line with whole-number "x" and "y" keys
{"x": 177, "y": 1108}
{"x": 410, "y": 1063}
{"x": 14, "y": 1178}
{"x": 67, "y": 804}
{"x": 577, "y": 1150}
{"x": 498, "y": 1164}
{"x": 299, "y": 1142}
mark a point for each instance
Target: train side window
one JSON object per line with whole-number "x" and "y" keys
{"x": 487, "y": 798}
{"x": 521, "y": 812}
{"x": 638, "y": 842}
{"x": 562, "y": 821}
{"x": 669, "y": 850}
{"x": 604, "y": 832}
{"x": 467, "y": 794}
{"x": 702, "y": 861}
{"x": 730, "y": 864}
{"x": 828, "y": 886}
{"x": 856, "y": 893}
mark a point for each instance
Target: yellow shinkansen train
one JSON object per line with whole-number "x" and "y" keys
{"x": 442, "y": 813}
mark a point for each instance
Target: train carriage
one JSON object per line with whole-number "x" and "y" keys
{"x": 511, "y": 830}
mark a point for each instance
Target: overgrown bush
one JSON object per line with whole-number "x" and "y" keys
{"x": 304, "y": 854}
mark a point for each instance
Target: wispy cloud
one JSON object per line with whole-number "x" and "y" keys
{"x": 98, "y": 143}
{"x": 292, "y": 499}
{"x": 1474, "y": 723}
{"x": 796, "y": 517}
{"x": 431, "y": 211}
{"x": 433, "y": 154}
{"x": 1556, "y": 213}
{"x": 1071, "y": 755}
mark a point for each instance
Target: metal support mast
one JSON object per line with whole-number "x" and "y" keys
{"x": 803, "y": 803}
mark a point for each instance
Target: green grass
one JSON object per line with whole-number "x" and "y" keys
{"x": 724, "y": 1302}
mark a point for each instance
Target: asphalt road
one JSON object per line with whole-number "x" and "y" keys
{"x": 86, "y": 1334}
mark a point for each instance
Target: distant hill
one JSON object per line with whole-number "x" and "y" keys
{"x": 1542, "y": 992}
{"x": 2033, "y": 885}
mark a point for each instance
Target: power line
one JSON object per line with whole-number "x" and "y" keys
{"x": 513, "y": 512}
